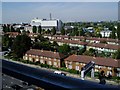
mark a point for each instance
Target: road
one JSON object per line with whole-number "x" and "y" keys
{"x": 49, "y": 80}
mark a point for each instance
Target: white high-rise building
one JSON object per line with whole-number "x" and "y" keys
{"x": 47, "y": 24}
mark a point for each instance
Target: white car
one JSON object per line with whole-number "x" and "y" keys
{"x": 59, "y": 72}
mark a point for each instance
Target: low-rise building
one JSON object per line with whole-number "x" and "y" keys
{"x": 44, "y": 57}
{"x": 76, "y": 62}
{"x": 105, "y": 33}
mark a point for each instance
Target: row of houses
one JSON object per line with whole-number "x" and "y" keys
{"x": 78, "y": 41}
{"x": 75, "y": 62}
{"x": 87, "y": 39}
{"x": 77, "y": 38}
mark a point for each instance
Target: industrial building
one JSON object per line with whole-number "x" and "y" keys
{"x": 47, "y": 23}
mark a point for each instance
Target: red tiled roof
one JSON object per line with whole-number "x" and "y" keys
{"x": 70, "y": 41}
{"x": 45, "y": 53}
{"x": 88, "y": 38}
{"x": 98, "y": 60}
{"x": 107, "y": 46}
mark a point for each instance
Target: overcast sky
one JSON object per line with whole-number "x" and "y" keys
{"x": 16, "y": 12}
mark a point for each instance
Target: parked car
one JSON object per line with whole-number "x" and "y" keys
{"x": 59, "y": 72}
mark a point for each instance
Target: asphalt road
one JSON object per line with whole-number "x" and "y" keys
{"x": 49, "y": 80}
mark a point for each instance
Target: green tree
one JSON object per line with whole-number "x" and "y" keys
{"x": 34, "y": 29}
{"x": 75, "y": 31}
{"x": 118, "y": 30}
{"x": 98, "y": 35}
{"x": 21, "y": 44}
{"x": 53, "y": 31}
{"x": 65, "y": 49}
{"x": 6, "y": 41}
{"x": 39, "y": 29}
{"x": 113, "y": 35}
{"x": 12, "y": 29}
{"x": 63, "y": 31}
{"x": 18, "y": 30}
{"x": 81, "y": 32}
{"x": 6, "y": 28}
{"x": 48, "y": 31}
{"x": 116, "y": 55}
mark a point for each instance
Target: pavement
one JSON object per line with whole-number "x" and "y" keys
{"x": 68, "y": 74}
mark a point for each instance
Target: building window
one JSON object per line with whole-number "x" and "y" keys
{"x": 41, "y": 61}
{"x": 26, "y": 58}
{"x": 70, "y": 62}
{"x": 96, "y": 66}
{"x": 77, "y": 67}
{"x": 70, "y": 66}
{"x": 96, "y": 70}
{"x": 109, "y": 68}
{"x": 37, "y": 59}
{"x": 77, "y": 63}
{"x": 55, "y": 63}
{"x": 50, "y": 63}
{"x": 30, "y": 59}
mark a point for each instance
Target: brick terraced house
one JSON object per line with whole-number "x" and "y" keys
{"x": 45, "y": 57}
{"x": 76, "y": 62}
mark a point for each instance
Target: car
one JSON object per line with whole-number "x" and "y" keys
{"x": 59, "y": 72}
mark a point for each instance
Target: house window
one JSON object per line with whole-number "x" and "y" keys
{"x": 30, "y": 59}
{"x": 77, "y": 67}
{"x": 55, "y": 63}
{"x": 70, "y": 66}
{"x": 109, "y": 68}
{"x": 83, "y": 64}
{"x": 96, "y": 66}
{"x": 50, "y": 63}
{"x": 96, "y": 70}
{"x": 37, "y": 59}
{"x": 77, "y": 63}
{"x": 70, "y": 62}
{"x": 26, "y": 58}
{"x": 41, "y": 61}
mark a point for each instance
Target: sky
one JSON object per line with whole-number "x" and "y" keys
{"x": 17, "y": 12}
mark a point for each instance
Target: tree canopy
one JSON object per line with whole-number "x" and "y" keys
{"x": 53, "y": 31}
{"x": 34, "y": 29}
{"x": 65, "y": 49}
{"x": 21, "y": 44}
{"x": 118, "y": 31}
